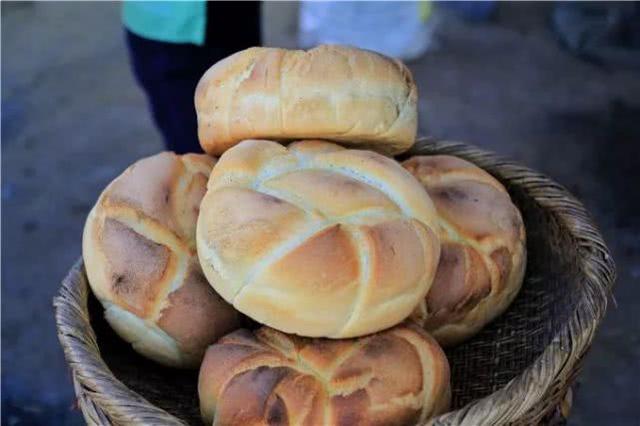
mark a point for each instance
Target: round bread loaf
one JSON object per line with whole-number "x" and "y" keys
{"x": 140, "y": 256}
{"x": 396, "y": 377}
{"x": 315, "y": 239}
{"x": 338, "y": 93}
{"x": 483, "y": 248}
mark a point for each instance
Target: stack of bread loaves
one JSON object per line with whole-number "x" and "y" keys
{"x": 344, "y": 259}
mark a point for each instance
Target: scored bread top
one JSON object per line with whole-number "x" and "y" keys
{"x": 399, "y": 376}
{"x": 140, "y": 256}
{"x": 483, "y": 247}
{"x": 339, "y": 93}
{"x": 316, "y": 239}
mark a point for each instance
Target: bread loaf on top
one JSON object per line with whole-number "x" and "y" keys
{"x": 353, "y": 96}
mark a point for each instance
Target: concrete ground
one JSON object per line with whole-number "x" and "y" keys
{"x": 73, "y": 118}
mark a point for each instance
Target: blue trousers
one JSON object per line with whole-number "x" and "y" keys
{"x": 169, "y": 72}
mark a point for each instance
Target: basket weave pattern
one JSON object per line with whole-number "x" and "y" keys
{"x": 516, "y": 371}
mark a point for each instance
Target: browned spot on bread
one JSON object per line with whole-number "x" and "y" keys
{"x": 269, "y": 199}
{"x": 119, "y": 283}
{"x": 350, "y": 409}
{"x": 135, "y": 284}
{"x": 351, "y": 372}
{"x": 322, "y": 353}
{"x": 195, "y": 315}
{"x": 502, "y": 259}
{"x": 220, "y": 361}
{"x": 376, "y": 347}
{"x": 148, "y": 187}
{"x": 368, "y": 367}
{"x": 276, "y": 411}
{"x": 432, "y": 165}
{"x": 462, "y": 280}
{"x": 452, "y": 195}
{"x": 235, "y": 407}
{"x": 304, "y": 398}
{"x": 475, "y": 209}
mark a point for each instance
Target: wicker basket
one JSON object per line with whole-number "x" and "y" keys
{"x": 517, "y": 370}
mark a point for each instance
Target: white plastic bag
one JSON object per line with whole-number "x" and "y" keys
{"x": 397, "y": 29}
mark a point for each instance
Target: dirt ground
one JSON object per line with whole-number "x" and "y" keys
{"x": 73, "y": 118}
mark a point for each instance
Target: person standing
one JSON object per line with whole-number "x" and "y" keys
{"x": 171, "y": 44}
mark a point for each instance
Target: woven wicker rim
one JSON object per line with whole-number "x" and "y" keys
{"x": 104, "y": 399}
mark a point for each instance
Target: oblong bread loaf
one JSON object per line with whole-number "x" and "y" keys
{"x": 338, "y": 93}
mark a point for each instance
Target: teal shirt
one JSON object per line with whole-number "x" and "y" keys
{"x": 168, "y": 21}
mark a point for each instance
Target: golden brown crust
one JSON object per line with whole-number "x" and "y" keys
{"x": 315, "y": 239}
{"x": 399, "y": 376}
{"x": 483, "y": 248}
{"x": 140, "y": 256}
{"x": 337, "y": 93}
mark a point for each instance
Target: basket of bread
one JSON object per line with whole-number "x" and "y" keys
{"x": 320, "y": 265}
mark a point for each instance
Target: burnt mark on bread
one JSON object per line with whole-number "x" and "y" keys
{"x": 461, "y": 281}
{"x": 502, "y": 259}
{"x": 276, "y": 411}
{"x": 270, "y": 199}
{"x": 452, "y": 195}
{"x": 350, "y": 372}
{"x": 374, "y": 157}
{"x": 376, "y": 346}
{"x": 351, "y": 184}
{"x": 120, "y": 284}
{"x": 349, "y": 409}
{"x": 137, "y": 265}
{"x": 234, "y": 405}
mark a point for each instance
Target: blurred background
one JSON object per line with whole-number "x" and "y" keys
{"x": 552, "y": 85}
